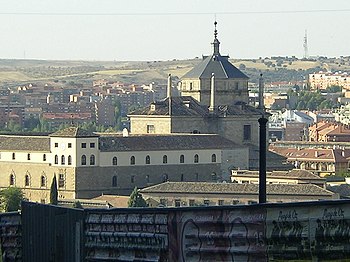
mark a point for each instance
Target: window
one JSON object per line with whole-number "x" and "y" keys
{"x": 150, "y": 129}
{"x": 63, "y": 160}
{"x": 83, "y": 160}
{"x": 191, "y": 86}
{"x": 191, "y": 202}
{"x": 44, "y": 157}
{"x": 69, "y": 145}
{"x": 206, "y": 202}
{"x": 61, "y": 181}
{"x": 132, "y": 179}
{"x": 213, "y": 158}
{"x": 235, "y": 202}
{"x": 43, "y": 181}
{"x": 165, "y": 177}
{"x": 114, "y": 161}
{"x": 148, "y": 160}
{"x": 114, "y": 181}
{"x": 28, "y": 156}
{"x": 13, "y": 156}
{"x": 92, "y": 160}
{"x": 56, "y": 144}
{"x": 69, "y": 160}
{"x": 26, "y": 180}
{"x": 214, "y": 177}
{"x": 83, "y": 145}
{"x": 165, "y": 159}
{"x": 247, "y": 132}
{"x": 220, "y": 202}
{"x": 56, "y": 159}
{"x": 182, "y": 159}
{"x": 196, "y": 158}
{"x": 12, "y": 179}
{"x": 132, "y": 160}
{"x": 177, "y": 202}
{"x": 147, "y": 178}
{"x": 163, "y": 201}
{"x": 250, "y": 202}
{"x": 92, "y": 145}
{"x": 182, "y": 177}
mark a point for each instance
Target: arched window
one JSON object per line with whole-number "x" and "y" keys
{"x": 165, "y": 159}
{"x": 44, "y": 157}
{"x": 165, "y": 177}
{"x": 182, "y": 159}
{"x": 63, "y": 160}
{"x": 196, "y": 158}
{"x": 28, "y": 156}
{"x": 147, "y": 178}
{"x": 83, "y": 160}
{"x": 182, "y": 177}
{"x": 92, "y": 160}
{"x": 114, "y": 181}
{"x": 132, "y": 179}
{"x": 12, "y": 180}
{"x": 56, "y": 159}
{"x": 26, "y": 180}
{"x": 13, "y": 156}
{"x": 213, "y": 177}
{"x": 114, "y": 161}
{"x": 69, "y": 160}
{"x": 213, "y": 158}
{"x": 148, "y": 160}
{"x": 132, "y": 160}
{"x": 43, "y": 181}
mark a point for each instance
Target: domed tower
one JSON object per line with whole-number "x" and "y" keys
{"x": 231, "y": 85}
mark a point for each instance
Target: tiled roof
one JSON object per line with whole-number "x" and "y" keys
{"x": 114, "y": 201}
{"x": 187, "y": 106}
{"x": 217, "y": 64}
{"x": 25, "y": 143}
{"x": 234, "y": 188}
{"x": 164, "y": 142}
{"x": 342, "y": 190}
{"x": 73, "y": 132}
{"x": 290, "y": 174}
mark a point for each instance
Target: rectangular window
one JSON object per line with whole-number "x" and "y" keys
{"x": 61, "y": 180}
{"x": 191, "y": 202}
{"x": 83, "y": 145}
{"x": 150, "y": 129}
{"x": 177, "y": 202}
{"x": 220, "y": 202}
{"x": 206, "y": 202}
{"x": 56, "y": 144}
{"x": 247, "y": 132}
{"x": 69, "y": 145}
{"x": 92, "y": 145}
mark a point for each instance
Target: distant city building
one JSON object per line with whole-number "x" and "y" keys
{"x": 323, "y": 80}
{"x": 329, "y": 132}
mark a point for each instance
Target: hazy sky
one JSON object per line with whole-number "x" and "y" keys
{"x": 169, "y": 29}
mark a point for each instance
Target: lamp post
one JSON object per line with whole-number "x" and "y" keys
{"x": 262, "y": 159}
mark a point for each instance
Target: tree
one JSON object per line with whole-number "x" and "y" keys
{"x": 11, "y": 199}
{"x": 136, "y": 199}
{"x": 54, "y": 192}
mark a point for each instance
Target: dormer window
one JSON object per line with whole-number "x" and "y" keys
{"x": 153, "y": 107}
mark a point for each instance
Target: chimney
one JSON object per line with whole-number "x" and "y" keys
{"x": 212, "y": 94}
{"x": 261, "y": 93}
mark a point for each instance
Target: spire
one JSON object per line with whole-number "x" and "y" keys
{"x": 212, "y": 94}
{"x": 216, "y": 42}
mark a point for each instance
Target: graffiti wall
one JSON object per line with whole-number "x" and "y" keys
{"x": 314, "y": 231}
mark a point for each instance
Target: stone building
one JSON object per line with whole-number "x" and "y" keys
{"x": 210, "y": 194}
{"x": 214, "y": 100}
{"x": 87, "y": 165}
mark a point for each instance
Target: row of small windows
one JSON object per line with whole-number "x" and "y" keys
{"x": 83, "y": 145}
{"x": 43, "y": 180}
{"x": 165, "y": 178}
{"x": 28, "y": 156}
{"x": 63, "y": 160}
{"x": 165, "y": 159}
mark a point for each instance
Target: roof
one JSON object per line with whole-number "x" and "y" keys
{"x": 188, "y": 106}
{"x": 164, "y": 142}
{"x": 25, "y": 143}
{"x": 234, "y": 188}
{"x": 73, "y": 132}
{"x": 113, "y": 200}
{"x": 217, "y": 64}
{"x": 291, "y": 174}
{"x": 342, "y": 190}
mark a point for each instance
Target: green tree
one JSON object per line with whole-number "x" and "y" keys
{"x": 136, "y": 199}
{"x": 54, "y": 192}
{"x": 11, "y": 199}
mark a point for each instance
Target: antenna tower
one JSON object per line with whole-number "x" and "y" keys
{"x": 306, "y": 50}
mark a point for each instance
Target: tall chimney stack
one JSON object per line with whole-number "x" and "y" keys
{"x": 261, "y": 92}
{"x": 212, "y": 94}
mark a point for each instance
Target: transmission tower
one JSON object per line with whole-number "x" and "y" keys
{"x": 306, "y": 50}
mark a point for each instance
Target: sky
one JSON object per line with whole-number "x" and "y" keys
{"x": 149, "y": 30}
